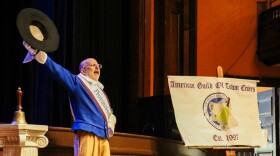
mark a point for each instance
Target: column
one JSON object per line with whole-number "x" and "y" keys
{"x": 22, "y": 139}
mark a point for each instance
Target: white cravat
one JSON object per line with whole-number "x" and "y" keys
{"x": 91, "y": 81}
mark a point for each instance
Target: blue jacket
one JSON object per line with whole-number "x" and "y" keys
{"x": 87, "y": 115}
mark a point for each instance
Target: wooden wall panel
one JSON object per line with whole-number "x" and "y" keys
{"x": 173, "y": 41}
{"x": 227, "y": 37}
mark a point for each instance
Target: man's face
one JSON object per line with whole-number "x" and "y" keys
{"x": 91, "y": 69}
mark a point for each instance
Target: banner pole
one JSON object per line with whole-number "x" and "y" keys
{"x": 220, "y": 71}
{"x": 229, "y": 152}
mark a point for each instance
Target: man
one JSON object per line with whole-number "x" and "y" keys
{"x": 94, "y": 121}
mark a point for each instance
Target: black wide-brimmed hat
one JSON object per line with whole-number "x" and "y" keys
{"x": 29, "y": 17}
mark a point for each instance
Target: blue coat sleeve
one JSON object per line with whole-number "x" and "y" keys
{"x": 62, "y": 75}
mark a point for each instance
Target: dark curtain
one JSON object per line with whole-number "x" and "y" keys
{"x": 87, "y": 28}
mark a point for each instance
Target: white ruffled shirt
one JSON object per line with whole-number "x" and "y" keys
{"x": 91, "y": 81}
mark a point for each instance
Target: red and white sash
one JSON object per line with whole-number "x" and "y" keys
{"x": 95, "y": 89}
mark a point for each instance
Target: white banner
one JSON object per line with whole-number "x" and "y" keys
{"x": 213, "y": 111}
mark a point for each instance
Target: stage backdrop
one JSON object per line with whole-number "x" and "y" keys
{"x": 213, "y": 111}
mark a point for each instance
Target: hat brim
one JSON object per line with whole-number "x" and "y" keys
{"x": 30, "y": 16}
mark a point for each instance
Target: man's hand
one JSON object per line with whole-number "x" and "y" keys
{"x": 32, "y": 54}
{"x": 29, "y": 48}
{"x": 111, "y": 124}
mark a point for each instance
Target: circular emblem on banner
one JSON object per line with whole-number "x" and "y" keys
{"x": 216, "y": 109}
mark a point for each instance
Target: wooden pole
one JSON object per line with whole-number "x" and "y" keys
{"x": 229, "y": 152}
{"x": 220, "y": 71}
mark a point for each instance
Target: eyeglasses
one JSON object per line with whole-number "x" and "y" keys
{"x": 94, "y": 65}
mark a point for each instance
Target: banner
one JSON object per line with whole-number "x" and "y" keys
{"x": 212, "y": 111}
